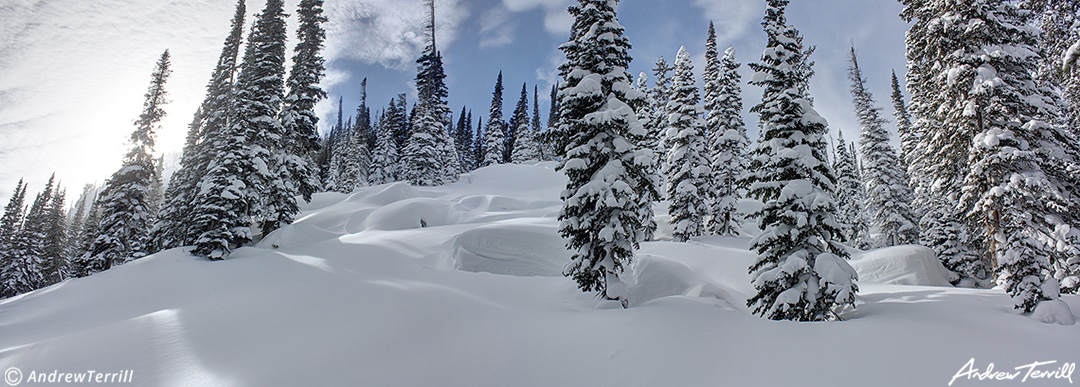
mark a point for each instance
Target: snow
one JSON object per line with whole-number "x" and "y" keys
{"x": 352, "y": 297}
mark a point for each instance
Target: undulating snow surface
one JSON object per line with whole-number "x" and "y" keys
{"x": 461, "y": 286}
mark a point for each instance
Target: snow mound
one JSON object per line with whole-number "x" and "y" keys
{"x": 388, "y": 194}
{"x": 901, "y": 265}
{"x": 514, "y": 249}
{"x": 1054, "y": 312}
{"x": 652, "y": 277}
{"x": 301, "y": 234}
{"x": 409, "y": 214}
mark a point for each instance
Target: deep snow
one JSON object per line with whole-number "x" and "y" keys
{"x": 358, "y": 292}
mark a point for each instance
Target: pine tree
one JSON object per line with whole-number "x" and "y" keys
{"x": 801, "y": 272}
{"x": 596, "y": 130}
{"x": 687, "y": 167}
{"x": 27, "y": 264}
{"x": 384, "y": 161}
{"x": 850, "y": 197}
{"x": 55, "y": 266}
{"x": 1059, "y": 45}
{"x": 77, "y": 226}
{"x": 430, "y": 156}
{"x": 10, "y": 228}
{"x": 174, "y": 226}
{"x": 647, "y": 201}
{"x": 939, "y": 155}
{"x": 463, "y": 139}
{"x": 479, "y": 149}
{"x": 294, "y": 171}
{"x": 543, "y": 154}
{"x": 124, "y": 233}
{"x": 495, "y": 138}
{"x": 726, "y": 137}
{"x": 888, "y": 196}
{"x": 655, "y": 128}
{"x": 233, "y": 192}
{"x": 525, "y": 147}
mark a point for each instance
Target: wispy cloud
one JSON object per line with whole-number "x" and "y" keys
{"x": 496, "y": 30}
{"x": 556, "y": 19}
{"x": 388, "y": 32}
{"x": 731, "y": 17}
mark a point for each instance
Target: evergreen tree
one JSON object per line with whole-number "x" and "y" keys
{"x": 463, "y": 139}
{"x": 479, "y": 149}
{"x": 495, "y": 138}
{"x": 55, "y": 267}
{"x": 939, "y": 155}
{"x": 644, "y": 114}
{"x": 596, "y": 130}
{"x": 525, "y": 147}
{"x": 174, "y": 226}
{"x": 384, "y": 161}
{"x": 124, "y": 232}
{"x": 1059, "y": 45}
{"x": 334, "y": 149}
{"x": 430, "y": 156}
{"x": 657, "y": 125}
{"x": 10, "y": 228}
{"x": 801, "y": 272}
{"x": 888, "y": 197}
{"x": 726, "y": 138}
{"x": 294, "y": 171}
{"x": 27, "y": 265}
{"x": 234, "y": 191}
{"x": 543, "y": 154}
{"x": 850, "y": 197}
{"x": 77, "y": 227}
{"x": 687, "y": 167}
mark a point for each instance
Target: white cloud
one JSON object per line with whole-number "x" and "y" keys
{"x": 556, "y": 19}
{"x": 731, "y": 17}
{"x": 495, "y": 28}
{"x": 388, "y": 32}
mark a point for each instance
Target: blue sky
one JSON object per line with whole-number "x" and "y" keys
{"x": 72, "y": 74}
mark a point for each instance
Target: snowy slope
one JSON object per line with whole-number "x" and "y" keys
{"x": 357, "y": 292}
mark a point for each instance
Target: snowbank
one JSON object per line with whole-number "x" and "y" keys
{"x": 901, "y": 265}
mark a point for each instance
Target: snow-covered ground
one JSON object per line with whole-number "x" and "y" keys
{"x": 461, "y": 286}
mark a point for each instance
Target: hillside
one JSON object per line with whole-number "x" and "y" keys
{"x": 461, "y": 285}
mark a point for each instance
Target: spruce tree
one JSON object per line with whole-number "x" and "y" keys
{"x": 479, "y": 148}
{"x": 27, "y": 265}
{"x": 801, "y": 272}
{"x": 384, "y": 161}
{"x": 174, "y": 225}
{"x": 56, "y": 266}
{"x": 525, "y": 147}
{"x": 294, "y": 171}
{"x": 850, "y": 197}
{"x": 687, "y": 169}
{"x": 495, "y": 138}
{"x": 430, "y": 156}
{"x": 10, "y": 228}
{"x": 939, "y": 155}
{"x": 124, "y": 233}
{"x": 596, "y": 130}
{"x": 726, "y": 138}
{"x": 660, "y": 95}
{"x": 645, "y": 116}
{"x": 888, "y": 196}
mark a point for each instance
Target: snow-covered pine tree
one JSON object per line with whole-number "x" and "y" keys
{"x": 1016, "y": 188}
{"x": 56, "y": 266}
{"x": 77, "y": 226}
{"x": 647, "y": 202}
{"x": 463, "y": 139}
{"x": 232, "y": 191}
{"x": 293, "y": 168}
{"x": 888, "y": 196}
{"x": 726, "y": 138}
{"x": 124, "y": 232}
{"x": 384, "y": 161}
{"x": 494, "y": 137}
{"x": 850, "y": 197}
{"x": 26, "y": 264}
{"x": 333, "y": 150}
{"x": 430, "y": 156}
{"x": 1059, "y": 45}
{"x": 525, "y": 147}
{"x": 543, "y": 153}
{"x": 940, "y": 155}
{"x": 687, "y": 168}
{"x": 597, "y": 129}
{"x": 10, "y": 227}
{"x": 801, "y": 272}
{"x": 173, "y": 227}
{"x": 660, "y": 95}
{"x": 355, "y": 160}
